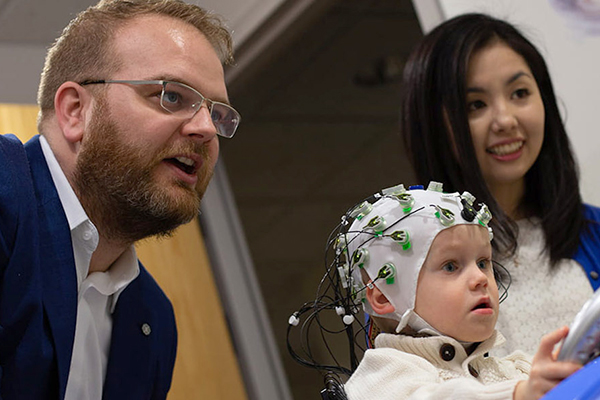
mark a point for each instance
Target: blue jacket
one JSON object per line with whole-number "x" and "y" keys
{"x": 588, "y": 253}
{"x": 38, "y": 296}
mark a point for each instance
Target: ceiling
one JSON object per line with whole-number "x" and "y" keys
{"x": 319, "y": 133}
{"x": 35, "y": 22}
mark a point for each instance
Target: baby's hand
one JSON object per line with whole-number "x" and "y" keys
{"x": 546, "y": 372}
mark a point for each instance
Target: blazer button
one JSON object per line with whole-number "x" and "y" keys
{"x": 146, "y": 330}
{"x": 447, "y": 352}
{"x": 594, "y": 275}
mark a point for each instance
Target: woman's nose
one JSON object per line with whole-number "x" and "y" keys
{"x": 503, "y": 118}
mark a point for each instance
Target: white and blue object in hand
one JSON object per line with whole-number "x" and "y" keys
{"x": 582, "y": 345}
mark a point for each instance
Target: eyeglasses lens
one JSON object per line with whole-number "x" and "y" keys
{"x": 182, "y": 100}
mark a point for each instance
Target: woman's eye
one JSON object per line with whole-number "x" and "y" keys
{"x": 475, "y": 105}
{"x": 449, "y": 267}
{"x": 521, "y": 93}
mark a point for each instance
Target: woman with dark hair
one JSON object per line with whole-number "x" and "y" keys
{"x": 478, "y": 111}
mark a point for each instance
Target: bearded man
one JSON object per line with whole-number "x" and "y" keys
{"x": 132, "y": 101}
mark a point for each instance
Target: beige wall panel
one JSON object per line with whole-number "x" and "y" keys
{"x": 206, "y": 367}
{"x": 18, "y": 119}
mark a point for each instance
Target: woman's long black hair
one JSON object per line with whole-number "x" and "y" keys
{"x": 437, "y": 137}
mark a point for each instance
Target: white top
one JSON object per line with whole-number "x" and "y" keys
{"x": 435, "y": 368}
{"x": 98, "y": 292}
{"x": 539, "y": 300}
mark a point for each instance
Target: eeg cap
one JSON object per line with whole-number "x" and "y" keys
{"x": 391, "y": 237}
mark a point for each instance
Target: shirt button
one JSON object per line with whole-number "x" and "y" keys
{"x": 594, "y": 275}
{"x": 447, "y": 352}
{"x": 87, "y": 235}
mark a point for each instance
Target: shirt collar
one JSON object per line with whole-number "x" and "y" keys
{"x": 120, "y": 274}
{"x": 124, "y": 270}
{"x": 73, "y": 209}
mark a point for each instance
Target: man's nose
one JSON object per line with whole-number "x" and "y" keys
{"x": 200, "y": 126}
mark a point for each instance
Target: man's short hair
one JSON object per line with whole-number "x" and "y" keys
{"x": 83, "y": 50}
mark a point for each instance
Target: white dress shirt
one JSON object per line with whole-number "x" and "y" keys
{"x": 98, "y": 292}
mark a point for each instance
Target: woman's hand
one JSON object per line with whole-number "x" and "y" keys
{"x": 546, "y": 372}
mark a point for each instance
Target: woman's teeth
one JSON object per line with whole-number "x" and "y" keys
{"x": 504, "y": 149}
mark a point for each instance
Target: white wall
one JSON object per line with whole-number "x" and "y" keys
{"x": 22, "y": 63}
{"x": 573, "y": 57}
{"x": 20, "y": 72}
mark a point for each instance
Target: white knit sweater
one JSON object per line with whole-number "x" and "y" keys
{"x": 405, "y": 367}
{"x": 539, "y": 300}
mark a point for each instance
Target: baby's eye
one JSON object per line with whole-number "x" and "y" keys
{"x": 449, "y": 267}
{"x": 521, "y": 93}
{"x": 475, "y": 105}
{"x": 483, "y": 264}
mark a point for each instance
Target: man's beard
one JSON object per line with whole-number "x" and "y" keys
{"x": 115, "y": 184}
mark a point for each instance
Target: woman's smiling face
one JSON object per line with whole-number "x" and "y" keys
{"x": 506, "y": 115}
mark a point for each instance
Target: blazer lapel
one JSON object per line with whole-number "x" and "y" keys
{"x": 57, "y": 262}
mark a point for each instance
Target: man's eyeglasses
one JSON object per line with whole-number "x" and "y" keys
{"x": 185, "y": 101}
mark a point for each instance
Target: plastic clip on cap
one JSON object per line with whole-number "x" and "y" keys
{"x": 468, "y": 197}
{"x": 361, "y": 210}
{"x": 387, "y": 272}
{"x": 394, "y": 190}
{"x": 360, "y": 257}
{"x": 484, "y": 215}
{"x": 435, "y": 186}
{"x": 340, "y": 244}
{"x": 468, "y": 212}
{"x": 402, "y": 238}
{"x": 407, "y": 201}
{"x": 445, "y": 216}
{"x": 376, "y": 223}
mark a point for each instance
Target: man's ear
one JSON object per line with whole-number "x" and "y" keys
{"x": 71, "y": 104}
{"x": 379, "y": 303}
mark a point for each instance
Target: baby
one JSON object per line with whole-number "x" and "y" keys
{"x": 426, "y": 260}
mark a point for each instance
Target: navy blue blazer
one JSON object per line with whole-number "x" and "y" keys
{"x": 38, "y": 296}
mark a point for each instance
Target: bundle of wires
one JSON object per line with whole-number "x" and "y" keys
{"x": 335, "y": 312}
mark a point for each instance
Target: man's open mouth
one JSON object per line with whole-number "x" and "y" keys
{"x": 185, "y": 164}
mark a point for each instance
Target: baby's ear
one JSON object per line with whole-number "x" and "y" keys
{"x": 379, "y": 303}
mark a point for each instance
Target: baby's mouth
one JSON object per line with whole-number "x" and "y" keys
{"x": 482, "y": 305}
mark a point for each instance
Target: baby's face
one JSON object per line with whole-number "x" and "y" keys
{"x": 456, "y": 291}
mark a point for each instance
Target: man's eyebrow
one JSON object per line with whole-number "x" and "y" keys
{"x": 513, "y": 78}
